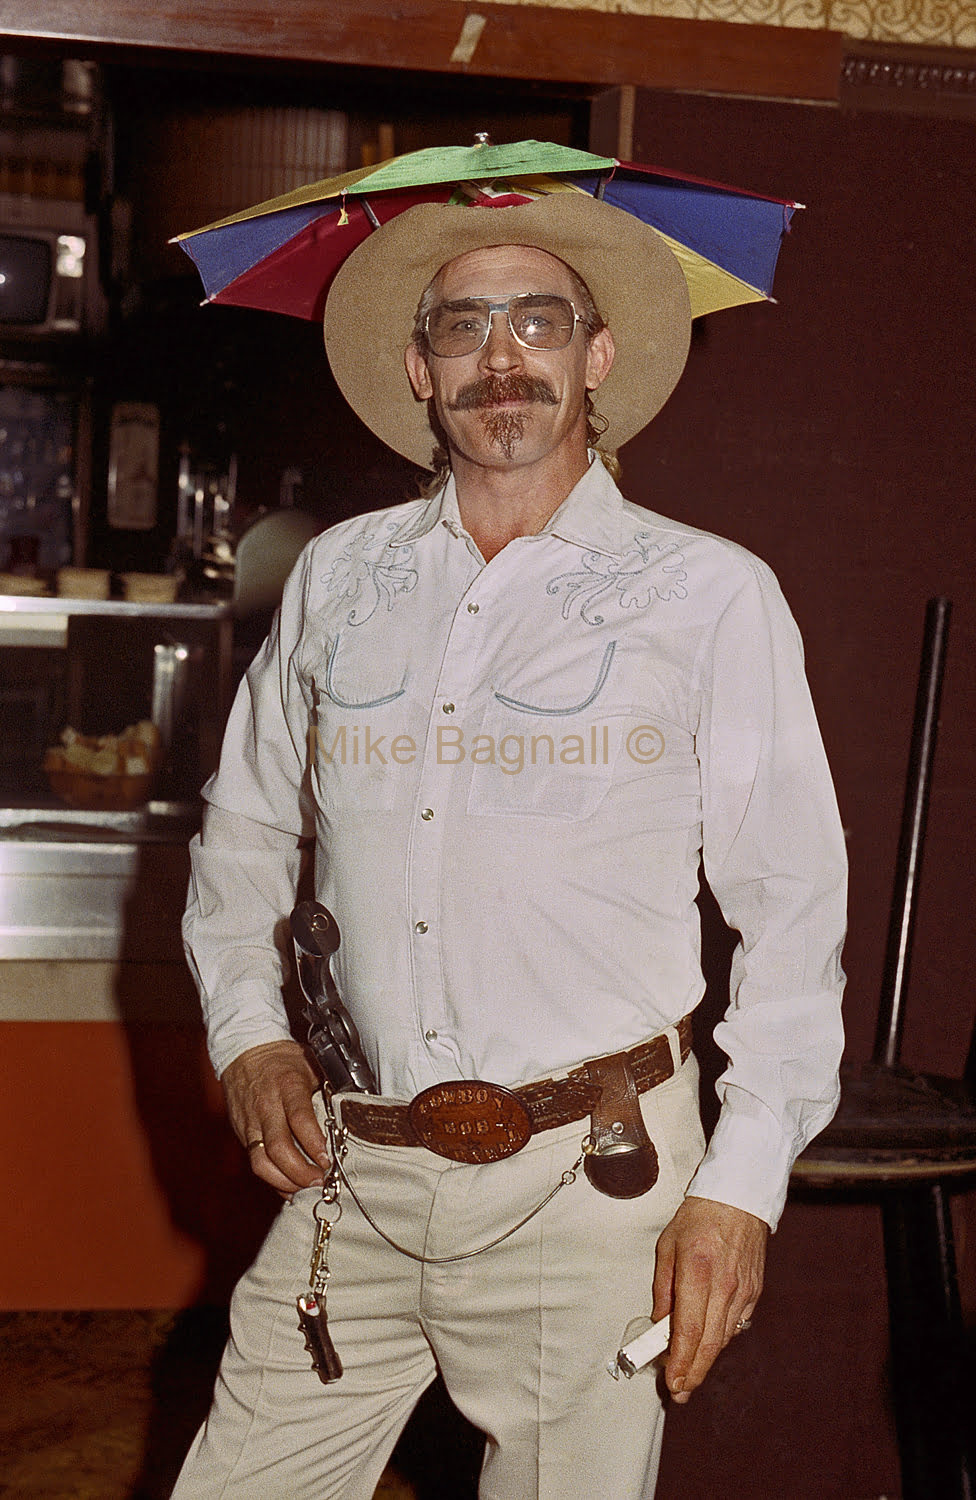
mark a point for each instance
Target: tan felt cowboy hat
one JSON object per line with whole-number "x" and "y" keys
{"x": 636, "y": 282}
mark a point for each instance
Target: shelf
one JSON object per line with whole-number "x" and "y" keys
{"x": 18, "y": 604}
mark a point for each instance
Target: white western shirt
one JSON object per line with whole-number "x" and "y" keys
{"x": 511, "y": 772}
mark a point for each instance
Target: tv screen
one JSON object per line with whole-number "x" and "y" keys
{"x": 25, "y": 278}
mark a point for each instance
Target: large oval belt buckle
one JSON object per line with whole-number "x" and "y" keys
{"x": 470, "y": 1121}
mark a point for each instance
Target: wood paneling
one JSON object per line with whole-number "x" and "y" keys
{"x": 517, "y": 41}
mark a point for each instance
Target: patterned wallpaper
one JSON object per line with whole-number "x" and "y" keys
{"x": 925, "y": 23}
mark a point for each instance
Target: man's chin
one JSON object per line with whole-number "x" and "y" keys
{"x": 504, "y": 427}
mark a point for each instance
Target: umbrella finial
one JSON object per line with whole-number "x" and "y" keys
{"x": 482, "y": 138}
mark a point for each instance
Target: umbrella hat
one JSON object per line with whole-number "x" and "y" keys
{"x": 284, "y": 255}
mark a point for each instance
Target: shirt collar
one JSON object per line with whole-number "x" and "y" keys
{"x": 441, "y": 506}
{"x": 591, "y": 516}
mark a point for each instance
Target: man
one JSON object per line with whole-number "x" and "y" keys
{"x": 516, "y": 716}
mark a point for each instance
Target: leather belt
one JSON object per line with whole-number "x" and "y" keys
{"x": 542, "y": 1105}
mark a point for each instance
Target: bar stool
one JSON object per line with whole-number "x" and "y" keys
{"x": 906, "y": 1140}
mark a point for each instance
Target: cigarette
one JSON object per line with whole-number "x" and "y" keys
{"x": 642, "y": 1350}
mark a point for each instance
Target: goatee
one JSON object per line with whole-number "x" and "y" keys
{"x": 504, "y": 425}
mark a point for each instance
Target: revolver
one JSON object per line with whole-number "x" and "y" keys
{"x": 332, "y": 1034}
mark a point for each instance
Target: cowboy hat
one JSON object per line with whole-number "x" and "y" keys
{"x": 636, "y": 283}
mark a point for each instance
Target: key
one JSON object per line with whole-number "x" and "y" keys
{"x": 318, "y": 1265}
{"x": 312, "y": 1322}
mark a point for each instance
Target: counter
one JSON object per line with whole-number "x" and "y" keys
{"x": 93, "y": 886}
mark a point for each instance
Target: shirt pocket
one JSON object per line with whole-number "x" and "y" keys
{"x": 357, "y": 744}
{"x": 590, "y": 741}
{"x": 355, "y": 680}
{"x": 547, "y": 743}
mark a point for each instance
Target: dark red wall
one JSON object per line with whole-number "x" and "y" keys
{"x": 833, "y": 434}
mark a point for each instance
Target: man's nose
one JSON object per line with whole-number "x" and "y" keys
{"x": 501, "y": 350}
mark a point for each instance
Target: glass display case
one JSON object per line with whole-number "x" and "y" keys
{"x": 77, "y": 853}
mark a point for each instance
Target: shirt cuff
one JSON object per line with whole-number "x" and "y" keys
{"x": 243, "y": 1019}
{"x": 746, "y": 1167}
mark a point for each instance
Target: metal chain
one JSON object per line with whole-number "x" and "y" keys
{"x": 319, "y": 1273}
{"x": 337, "y": 1148}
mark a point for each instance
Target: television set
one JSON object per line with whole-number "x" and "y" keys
{"x": 49, "y": 285}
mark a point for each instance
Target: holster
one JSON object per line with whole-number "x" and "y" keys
{"x": 623, "y": 1161}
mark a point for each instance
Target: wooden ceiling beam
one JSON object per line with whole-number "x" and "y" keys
{"x": 495, "y": 41}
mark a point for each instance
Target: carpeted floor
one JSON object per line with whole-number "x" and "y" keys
{"x": 102, "y": 1406}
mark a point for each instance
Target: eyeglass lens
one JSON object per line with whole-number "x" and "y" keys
{"x": 539, "y": 320}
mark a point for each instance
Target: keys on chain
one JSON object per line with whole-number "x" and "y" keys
{"x": 311, "y": 1304}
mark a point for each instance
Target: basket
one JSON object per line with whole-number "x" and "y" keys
{"x": 82, "y": 789}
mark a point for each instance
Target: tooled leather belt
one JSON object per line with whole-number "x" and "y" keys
{"x": 504, "y": 1119}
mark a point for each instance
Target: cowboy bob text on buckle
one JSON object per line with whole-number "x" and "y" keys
{"x": 470, "y": 1121}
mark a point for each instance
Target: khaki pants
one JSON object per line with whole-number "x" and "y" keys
{"x": 522, "y": 1333}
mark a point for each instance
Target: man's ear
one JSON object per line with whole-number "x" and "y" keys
{"x": 418, "y": 373}
{"x": 599, "y": 358}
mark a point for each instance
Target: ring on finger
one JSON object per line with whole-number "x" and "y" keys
{"x": 253, "y": 1145}
{"x": 742, "y": 1325}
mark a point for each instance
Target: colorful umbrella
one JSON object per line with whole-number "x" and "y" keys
{"x": 281, "y": 255}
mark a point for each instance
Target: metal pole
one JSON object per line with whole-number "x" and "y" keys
{"x": 908, "y": 867}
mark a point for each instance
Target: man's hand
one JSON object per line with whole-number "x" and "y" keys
{"x": 269, "y": 1099}
{"x": 708, "y": 1276}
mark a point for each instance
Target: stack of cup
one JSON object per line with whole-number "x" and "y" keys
{"x": 83, "y": 583}
{"x": 150, "y": 588}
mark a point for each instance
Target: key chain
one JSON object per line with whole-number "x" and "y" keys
{"x": 312, "y": 1318}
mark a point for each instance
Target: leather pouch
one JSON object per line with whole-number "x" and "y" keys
{"x": 623, "y": 1161}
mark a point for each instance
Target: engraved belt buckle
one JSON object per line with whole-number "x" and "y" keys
{"x": 470, "y": 1121}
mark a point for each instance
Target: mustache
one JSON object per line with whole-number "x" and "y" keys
{"x": 501, "y": 389}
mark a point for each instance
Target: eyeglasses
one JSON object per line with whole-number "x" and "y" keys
{"x": 538, "y": 320}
